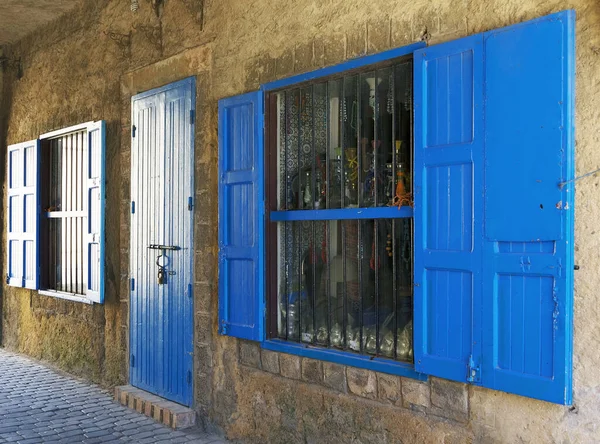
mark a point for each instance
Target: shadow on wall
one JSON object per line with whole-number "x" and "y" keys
{"x": 8, "y": 74}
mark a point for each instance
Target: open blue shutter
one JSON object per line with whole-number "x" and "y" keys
{"x": 448, "y": 178}
{"x": 95, "y": 208}
{"x": 23, "y": 215}
{"x": 528, "y": 248}
{"x": 493, "y": 225}
{"x": 241, "y": 216}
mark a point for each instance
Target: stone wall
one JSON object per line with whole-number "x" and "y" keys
{"x": 87, "y": 65}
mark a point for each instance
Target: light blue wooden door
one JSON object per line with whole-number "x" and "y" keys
{"x": 161, "y": 322}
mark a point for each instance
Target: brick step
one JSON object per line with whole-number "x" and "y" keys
{"x": 161, "y": 410}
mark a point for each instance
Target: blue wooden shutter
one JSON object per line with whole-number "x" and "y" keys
{"x": 95, "y": 208}
{"x": 528, "y": 247}
{"x": 23, "y": 215}
{"x": 448, "y": 178}
{"x": 241, "y": 216}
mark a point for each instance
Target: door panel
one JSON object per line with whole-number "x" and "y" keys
{"x": 161, "y": 192}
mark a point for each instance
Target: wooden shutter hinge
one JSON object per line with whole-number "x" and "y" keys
{"x": 190, "y": 203}
{"x": 189, "y": 377}
{"x": 474, "y": 371}
{"x": 132, "y": 363}
{"x": 133, "y": 128}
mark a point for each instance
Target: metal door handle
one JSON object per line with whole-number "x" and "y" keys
{"x": 163, "y": 247}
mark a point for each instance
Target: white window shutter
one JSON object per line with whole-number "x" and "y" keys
{"x": 95, "y": 212}
{"x": 23, "y": 215}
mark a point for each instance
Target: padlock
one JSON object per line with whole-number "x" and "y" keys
{"x": 161, "y": 279}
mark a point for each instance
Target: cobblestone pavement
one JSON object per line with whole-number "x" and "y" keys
{"x": 39, "y": 405}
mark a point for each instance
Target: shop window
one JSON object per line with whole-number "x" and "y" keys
{"x": 410, "y": 212}
{"x": 345, "y": 143}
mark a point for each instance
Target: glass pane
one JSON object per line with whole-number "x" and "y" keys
{"x": 319, "y": 172}
{"x": 284, "y": 192}
{"x": 349, "y": 138}
{"x": 335, "y": 183}
{"x": 402, "y": 160}
{"x": 290, "y": 138}
{"x": 367, "y": 139}
{"x": 306, "y": 149}
{"x": 402, "y": 234}
{"x": 292, "y": 293}
{"x": 348, "y": 285}
{"x": 384, "y": 137}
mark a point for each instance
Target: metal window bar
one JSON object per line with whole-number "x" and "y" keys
{"x": 315, "y": 197}
{"x": 298, "y": 99}
{"x": 66, "y": 213}
{"x": 327, "y": 233}
{"x": 342, "y": 115}
{"x": 375, "y": 253}
{"x": 286, "y": 225}
{"x": 393, "y": 194}
{"x": 307, "y": 257}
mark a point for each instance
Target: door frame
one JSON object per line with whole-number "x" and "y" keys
{"x": 189, "y": 82}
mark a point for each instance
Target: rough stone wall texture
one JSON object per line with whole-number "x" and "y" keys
{"x": 86, "y": 66}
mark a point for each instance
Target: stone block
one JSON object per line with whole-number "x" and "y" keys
{"x": 378, "y": 35}
{"x": 270, "y": 361}
{"x": 250, "y": 354}
{"x": 312, "y": 370}
{"x": 167, "y": 418}
{"x": 284, "y": 65}
{"x": 415, "y": 393}
{"x": 334, "y": 377}
{"x": 356, "y": 42}
{"x": 389, "y": 389}
{"x": 205, "y": 358}
{"x": 139, "y": 405}
{"x": 203, "y": 389}
{"x": 330, "y": 50}
{"x": 303, "y": 57}
{"x": 290, "y": 366}
{"x": 449, "y": 399}
{"x": 401, "y": 33}
{"x": 362, "y": 382}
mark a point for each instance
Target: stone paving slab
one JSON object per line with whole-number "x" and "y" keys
{"x": 39, "y": 405}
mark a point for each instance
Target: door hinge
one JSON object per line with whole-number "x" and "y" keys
{"x": 132, "y": 284}
{"x": 474, "y": 371}
{"x": 190, "y": 291}
{"x": 190, "y": 203}
{"x": 189, "y": 377}
{"x": 133, "y": 128}
{"x": 132, "y": 360}
{"x": 132, "y": 206}
{"x": 192, "y": 116}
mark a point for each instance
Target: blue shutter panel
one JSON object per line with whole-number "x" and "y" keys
{"x": 23, "y": 215}
{"x": 241, "y": 216}
{"x": 95, "y": 207}
{"x": 448, "y": 167}
{"x": 528, "y": 245}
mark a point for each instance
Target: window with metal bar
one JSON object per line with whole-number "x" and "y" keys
{"x": 64, "y": 213}
{"x": 343, "y": 251}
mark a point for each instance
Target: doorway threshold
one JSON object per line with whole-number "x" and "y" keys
{"x": 161, "y": 410}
